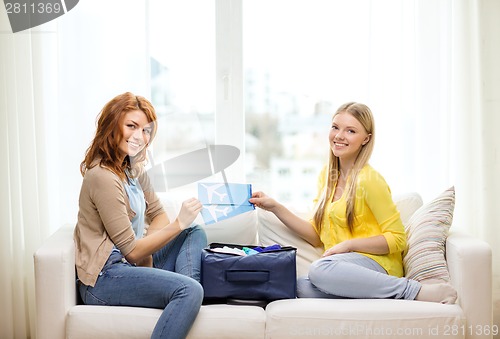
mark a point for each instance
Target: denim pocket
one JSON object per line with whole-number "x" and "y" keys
{"x": 114, "y": 257}
{"x": 88, "y": 298}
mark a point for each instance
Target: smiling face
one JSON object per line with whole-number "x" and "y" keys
{"x": 347, "y": 137}
{"x": 136, "y": 132}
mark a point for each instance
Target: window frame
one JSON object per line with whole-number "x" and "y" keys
{"x": 229, "y": 106}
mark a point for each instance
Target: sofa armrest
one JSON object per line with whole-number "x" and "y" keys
{"x": 55, "y": 286}
{"x": 470, "y": 266}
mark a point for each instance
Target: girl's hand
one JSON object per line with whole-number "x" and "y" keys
{"x": 343, "y": 247}
{"x": 189, "y": 210}
{"x": 260, "y": 199}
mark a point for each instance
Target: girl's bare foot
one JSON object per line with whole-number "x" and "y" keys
{"x": 441, "y": 292}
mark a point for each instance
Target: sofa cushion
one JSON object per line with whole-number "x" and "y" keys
{"x": 362, "y": 318}
{"x": 427, "y": 231}
{"x": 213, "y": 321}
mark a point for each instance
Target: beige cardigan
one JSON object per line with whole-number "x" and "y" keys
{"x": 104, "y": 220}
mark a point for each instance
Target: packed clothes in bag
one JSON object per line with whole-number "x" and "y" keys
{"x": 248, "y": 272}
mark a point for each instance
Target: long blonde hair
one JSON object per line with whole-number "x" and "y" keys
{"x": 364, "y": 115}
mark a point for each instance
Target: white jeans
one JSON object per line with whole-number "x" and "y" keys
{"x": 353, "y": 275}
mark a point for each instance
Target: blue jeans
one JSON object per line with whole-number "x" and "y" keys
{"x": 353, "y": 275}
{"x": 173, "y": 285}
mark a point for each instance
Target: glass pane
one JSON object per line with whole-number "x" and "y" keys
{"x": 301, "y": 59}
{"x": 182, "y": 50}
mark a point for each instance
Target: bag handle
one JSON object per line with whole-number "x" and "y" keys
{"x": 245, "y": 276}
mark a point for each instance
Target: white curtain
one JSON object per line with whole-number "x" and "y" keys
{"x": 54, "y": 80}
{"x": 474, "y": 121}
{"x": 26, "y": 97}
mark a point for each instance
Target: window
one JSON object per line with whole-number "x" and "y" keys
{"x": 182, "y": 58}
{"x": 266, "y": 76}
{"x": 299, "y": 65}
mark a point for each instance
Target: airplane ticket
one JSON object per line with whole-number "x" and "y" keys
{"x": 224, "y": 200}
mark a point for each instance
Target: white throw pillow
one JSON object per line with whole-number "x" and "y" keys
{"x": 273, "y": 231}
{"x": 241, "y": 229}
{"x": 407, "y": 204}
{"x": 427, "y": 231}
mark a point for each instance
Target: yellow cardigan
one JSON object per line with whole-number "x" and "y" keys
{"x": 376, "y": 214}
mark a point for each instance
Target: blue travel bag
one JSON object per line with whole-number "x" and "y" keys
{"x": 266, "y": 276}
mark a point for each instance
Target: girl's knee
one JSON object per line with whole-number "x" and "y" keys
{"x": 199, "y": 233}
{"x": 319, "y": 267}
{"x": 304, "y": 288}
{"x": 193, "y": 290}
{"x": 184, "y": 288}
{"x": 198, "y": 230}
{"x": 314, "y": 270}
{"x": 196, "y": 294}
{"x": 196, "y": 290}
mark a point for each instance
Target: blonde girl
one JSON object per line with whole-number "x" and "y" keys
{"x": 356, "y": 222}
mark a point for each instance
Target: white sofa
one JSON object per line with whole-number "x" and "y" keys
{"x": 469, "y": 263}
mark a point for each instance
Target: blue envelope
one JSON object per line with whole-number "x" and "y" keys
{"x": 224, "y": 200}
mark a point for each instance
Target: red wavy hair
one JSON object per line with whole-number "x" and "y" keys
{"x": 104, "y": 148}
